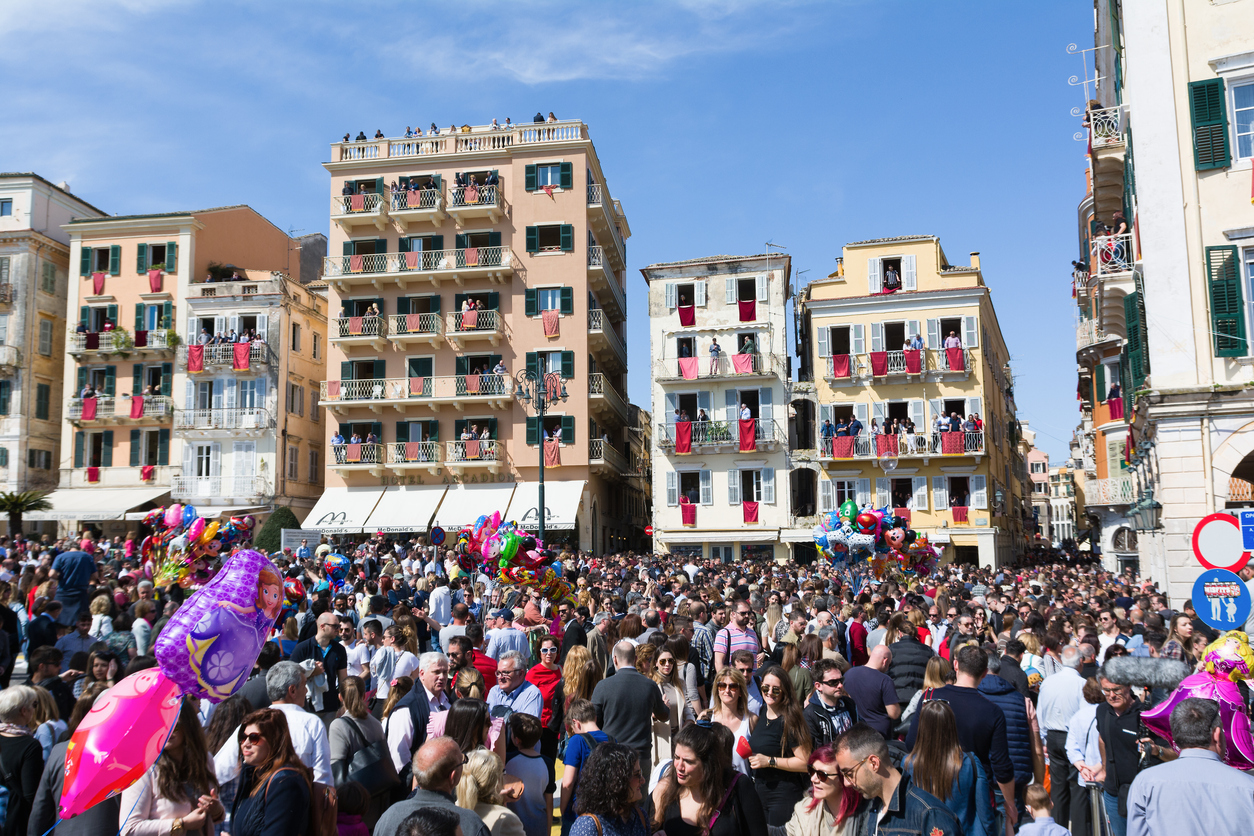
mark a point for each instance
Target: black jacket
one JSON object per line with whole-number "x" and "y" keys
{"x": 1012, "y": 673}
{"x": 909, "y": 664}
{"x": 100, "y": 818}
{"x": 827, "y": 724}
{"x": 575, "y": 634}
{"x": 279, "y": 809}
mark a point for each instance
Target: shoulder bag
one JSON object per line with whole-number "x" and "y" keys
{"x": 371, "y": 765}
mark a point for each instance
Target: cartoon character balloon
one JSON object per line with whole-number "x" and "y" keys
{"x": 336, "y": 566}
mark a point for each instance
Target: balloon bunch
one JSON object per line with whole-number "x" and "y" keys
{"x": 336, "y": 566}
{"x": 293, "y": 594}
{"x": 885, "y": 541}
{"x": 513, "y": 555}
{"x": 183, "y": 545}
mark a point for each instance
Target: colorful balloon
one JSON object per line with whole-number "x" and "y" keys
{"x": 189, "y": 514}
{"x": 195, "y": 528}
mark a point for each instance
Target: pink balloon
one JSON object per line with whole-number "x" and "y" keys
{"x": 174, "y": 516}
{"x": 195, "y": 529}
{"x": 119, "y": 739}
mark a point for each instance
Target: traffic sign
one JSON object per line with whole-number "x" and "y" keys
{"x": 1221, "y": 599}
{"x": 648, "y": 531}
{"x": 1217, "y": 542}
{"x": 1246, "y": 517}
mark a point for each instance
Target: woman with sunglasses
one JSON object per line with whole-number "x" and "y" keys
{"x": 781, "y": 745}
{"x": 701, "y": 795}
{"x": 938, "y": 765}
{"x": 547, "y": 676}
{"x": 666, "y": 675}
{"x": 829, "y": 807}
{"x": 275, "y": 788}
{"x": 179, "y": 793}
{"x": 731, "y": 709}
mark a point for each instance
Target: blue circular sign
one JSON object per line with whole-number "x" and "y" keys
{"x": 437, "y": 536}
{"x": 1221, "y": 599}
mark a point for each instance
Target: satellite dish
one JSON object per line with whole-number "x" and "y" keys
{"x": 888, "y": 461}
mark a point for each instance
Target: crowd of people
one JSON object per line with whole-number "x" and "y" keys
{"x": 434, "y": 130}
{"x": 702, "y": 698}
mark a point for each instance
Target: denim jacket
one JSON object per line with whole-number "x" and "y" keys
{"x": 912, "y": 812}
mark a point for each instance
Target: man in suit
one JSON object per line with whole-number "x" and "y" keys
{"x": 573, "y": 619}
{"x": 407, "y": 726}
{"x": 628, "y": 702}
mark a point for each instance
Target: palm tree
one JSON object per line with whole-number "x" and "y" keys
{"x": 15, "y": 504}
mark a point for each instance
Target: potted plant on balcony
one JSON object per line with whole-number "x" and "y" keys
{"x": 172, "y": 338}
{"x": 17, "y": 503}
{"x": 123, "y": 342}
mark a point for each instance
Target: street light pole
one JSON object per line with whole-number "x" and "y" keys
{"x": 533, "y": 390}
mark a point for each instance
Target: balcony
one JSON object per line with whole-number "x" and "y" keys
{"x": 416, "y": 206}
{"x": 412, "y": 329}
{"x": 245, "y": 489}
{"x": 723, "y": 436}
{"x": 404, "y": 269}
{"x": 851, "y": 370}
{"x": 469, "y": 202}
{"x": 350, "y": 457}
{"x": 109, "y": 409}
{"x": 1106, "y": 134}
{"x": 604, "y": 212}
{"x": 605, "y": 284}
{"x": 467, "y": 326}
{"x": 10, "y": 357}
{"x": 605, "y": 458}
{"x": 243, "y": 422}
{"x": 223, "y": 356}
{"x": 1087, "y": 333}
{"x": 486, "y": 454}
{"x": 99, "y": 342}
{"x": 896, "y": 364}
{"x": 405, "y": 456}
{"x": 403, "y": 393}
{"x": 117, "y": 477}
{"x": 917, "y": 446}
{"x": 360, "y": 210}
{"x": 943, "y": 363}
{"x": 351, "y": 331}
{"x": 1120, "y": 490}
{"x": 739, "y": 366}
{"x": 603, "y": 339}
{"x": 1113, "y": 258}
{"x": 475, "y": 141}
{"x": 271, "y": 284}
{"x": 604, "y": 401}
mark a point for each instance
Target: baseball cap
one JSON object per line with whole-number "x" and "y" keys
{"x": 504, "y": 613}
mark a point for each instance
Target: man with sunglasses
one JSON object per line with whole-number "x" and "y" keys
{"x": 829, "y": 712}
{"x": 897, "y": 805}
{"x": 741, "y": 634}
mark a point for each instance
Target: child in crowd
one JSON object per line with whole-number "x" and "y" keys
{"x": 535, "y": 807}
{"x": 1040, "y": 808}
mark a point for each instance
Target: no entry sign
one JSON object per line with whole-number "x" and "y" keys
{"x": 1217, "y": 543}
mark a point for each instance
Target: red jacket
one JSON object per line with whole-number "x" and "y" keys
{"x": 547, "y": 681}
{"x": 858, "y": 654}
{"x": 486, "y": 665}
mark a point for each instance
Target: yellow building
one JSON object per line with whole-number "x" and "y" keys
{"x": 963, "y": 488}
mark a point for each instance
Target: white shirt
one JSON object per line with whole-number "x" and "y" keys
{"x": 400, "y": 729}
{"x": 1062, "y": 695}
{"x": 359, "y": 655}
{"x": 406, "y": 664}
{"x": 309, "y": 739}
{"x": 1083, "y": 739}
{"x": 745, "y": 414}
{"x": 441, "y": 604}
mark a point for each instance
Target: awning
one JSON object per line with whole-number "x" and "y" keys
{"x": 767, "y": 535}
{"x": 96, "y": 503}
{"x": 796, "y": 535}
{"x": 561, "y": 504}
{"x": 464, "y": 504}
{"x": 213, "y": 512}
{"x": 343, "y": 510}
{"x": 406, "y": 508}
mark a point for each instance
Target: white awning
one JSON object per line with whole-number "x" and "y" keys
{"x": 343, "y": 510}
{"x": 406, "y": 508}
{"x": 561, "y": 504}
{"x": 796, "y": 535}
{"x": 765, "y": 535}
{"x": 96, "y": 503}
{"x": 213, "y": 512}
{"x": 464, "y": 504}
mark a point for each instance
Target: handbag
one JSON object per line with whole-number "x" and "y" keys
{"x": 371, "y": 765}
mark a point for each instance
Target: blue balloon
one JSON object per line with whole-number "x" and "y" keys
{"x": 189, "y": 515}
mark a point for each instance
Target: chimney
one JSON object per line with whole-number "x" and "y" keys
{"x": 975, "y": 261}
{"x": 64, "y": 186}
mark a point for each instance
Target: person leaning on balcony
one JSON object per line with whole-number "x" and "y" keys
{"x": 204, "y": 337}
{"x": 81, "y": 329}
{"x": 842, "y": 427}
{"x": 1119, "y": 223}
{"x": 716, "y": 351}
{"x": 89, "y": 391}
{"x": 855, "y": 426}
{"x": 915, "y": 344}
{"x": 500, "y": 368}
{"x": 827, "y": 432}
{"x": 552, "y": 118}
{"x": 371, "y": 438}
{"x": 968, "y": 426}
{"x": 491, "y": 179}
{"x": 361, "y": 136}
{"x": 348, "y": 136}
{"x": 955, "y": 422}
{"x": 378, "y": 134}
{"x": 539, "y": 117}
{"x": 952, "y": 341}
{"x": 354, "y": 438}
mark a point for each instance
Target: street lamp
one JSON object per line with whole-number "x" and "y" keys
{"x": 537, "y": 390}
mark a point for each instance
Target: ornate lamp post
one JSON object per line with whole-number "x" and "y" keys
{"x": 536, "y": 390}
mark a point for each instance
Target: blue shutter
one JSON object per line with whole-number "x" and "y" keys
{"x": 106, "y": 449}
{"x": 163, "y": 447}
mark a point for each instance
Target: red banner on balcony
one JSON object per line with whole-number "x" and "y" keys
{"x": 885, "y": 444}
{"x": 97, "y": 283}
{"x": 91, "y": 341}
{"x": 688, "y": 368}
{"x": 879, "y": 363}
{"x": 411, "y": 260}
{"x": 413, "y": 321}
{"x": 89, "y": 409}
{"x": 552, "y": 387}
{"x": 147, "y": 472}
{"x": 748, "y": 436}
{"x": 470, "y": 320}
{"x": 413, "y": 199}
{"x": 472, "y": 448}
{"x": 470, "y": 194}
{"x": 154, "y": 280}
{"x": 748, "y": 310}
{"x": 840, "y": 365}
{"x": 914, "y": 360}
{"x": 354, "y": 326}
{"x": 743, "y": 363}
{"x": 751, "y": 511}
{"x": 355, "y": 263}
{"x": 687, "y": 512}
{"x": 195, "y": 358}
{"x": 333, "y": 388}
{"x": 141, "y": 339}
{"x": 957, "y": 362}
{"x": 93, "y": 474}
{"x": 471, "y": 257}
{"x": 352, "y": 452}
{"x": 552, "y": 453}
{"x": 687, "y": 316}
{"x": 960, "y": 513}
{"x": 552, "y": 320}
{"x": 842, "y": 446}
{"x": 472, "y": 384}
{"x": 358, "y": 202}
{"x": 412, "y": 449}
{"x": 904, "y": 513}
{"x": 242, "y": 356}
{"x": 416, "y": 385}
{"x": 1116, "y": 409}
{"x": 952, "y": 443}
{"x": 137, "y": 406}
{"x": 683, "y": 437}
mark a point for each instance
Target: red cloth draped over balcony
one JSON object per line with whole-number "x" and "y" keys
{"x": 687, "y": 512}
{"x": 137, "y": 406}
{"x": 472, "y": 448}
{"x": 751, "y": 511}
{"x": 472, "y": 384}
{"x": 914, "y": 360}
{"x": 552, "y": 388}
{"x": 957, "y": 362}
{"x": 1116, "y": 408}
{"x": 333, "y": 388}
{"x": 742, "y": 363}
{"x": 552, "y": 453}
{"x": 470, "y": 320}
{"x": 960, "y": 513}
{"x": 687, "y": 315}
{"x": 93, "y": 474}
{"x": 89, "y": 409}
{"x": 879, "y": 363}
{"x": 241, "y": 357}
{"x": 748, "y": 310}
{"x": 840, "y": 365}
{"x": 355, "y": 263}
{"x": 195, "y": 358}
{"x": 141, "y": 339}
{"x": 147, "y": 472}
{"x": 358, "y": 202}
{"x": 952, "y": 442}
{"x": 416, "y": 385}
{"x": 471, "y": 194}
{"x": 411, "y": 260}
{"x": 842, "y": 446}
{"x": 904, "y": 513}
{"x": 154, "y": 280}
{"x": 91, "y": 341}
{"x": 354, "y": 325}
{"x": 471, "y": 258}
{"x": 413, "y": 321}
{"x": 683, "y": 437}
{"x": 748, "y": 439}
{"x": 885, "y": 444}
{"x": 412, "y": 447}
{"x": 413, "y": 199}
{"x": 353, "y": 453}
{"x": 97, "y": 283}
{"x": 688, "y": 367}
{"x": 551, "y": 321}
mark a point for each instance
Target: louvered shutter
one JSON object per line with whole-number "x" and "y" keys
{"x": 768, "y": 485}
{"x": 699, "y": 289}
{"x": 533, "y": 239}
{"x": 672, "y": 295}
{"x": 873, "y": 275}
{"x": 917, "y": 416}
{"x": 707, "y": 487}
{"x": 909, "y": 278}
{"x": 827, "y": 495}
{"x": 858, "y": 343}
{"x": 566, "y": 238}
{"x": 529, "y": 182}
{"x": 135, "y": 442}
{"x": 567, "y": 300}
{"x": 1208, "y": 111}
{"x": 568, "y": 429}
{"x": 1227, "y": 314}
{"x": 912, "y": 329}
{"x": 877, "y": 336}
{"x": 115, "y": 260}
{"x": 163, "y": 447}
{"x": 141, "y": 258}
{"x": 764, "y": 287}
{"x": 970, "y": 333}
{"x": 672, "y": 488}
{"x": 730, "y": 285}
{"x": 979, "y": 492}
{"x": 883, "y": 491}
{"x": 533, "y": 431}
{"x": 732, "y": 402}
{"x": 919, "y": 499}
{"x": 733, "y": 487}
{"x": 766, "y": 411}
{"x": 863, "y": 492}
{"x": 566, "y": 175}
{"x": 824, "y": 341}
{"x": 933, "y": 334}
{"x": 106, "y": 449}
{"x": 940, "y": 492}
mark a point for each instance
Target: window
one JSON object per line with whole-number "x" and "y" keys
{"x": 295, "y": 337}
{"x": 959, "y": 491}
{"x": 4, "y": 329}
{"x": 293, "y": 464}
{"x": 549, "y": 361}
{"x": 1038, "y": 467}
{"x": 317, "y": 346}
{"x": 43, "y": 401}
{"x": 313, "y": 405}
{"x": 1243, "y": 116}
{"x": 39, "y": 459}
{"x": 45, "y": 337}
{"x": 549, "y": 238}
{"x": 4, "y": 270}
{"x": 549, "y": 298}
{"x": 1041, "y": 488}
{"x": 313, "y": 465}
{"x": 549, "y": 175}
{"x": 295, "y": 399}
{"x": 101, "y": 258}
{"x": 48, "y": 279}
{"x": 6, "y": 208}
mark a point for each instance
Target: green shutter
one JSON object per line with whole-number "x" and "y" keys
{"x": 167, "y": 314}
{"x": 1099, "y": 374}
{"x": 402, "y": 244}
{"x": 43, "y": 401}
{"x": 568, "y": 300}
{"x": 494, "y": 238}
{"x": 435, "y": 304}
{"x": 346, "y": 370}
{"x": 111, "y": 314}
{"x": 530, "y": 184}
{"x": 531, "y": 306}
{"x": 111, "y": 376}
{"x": 568, "y": 364}
{"x": 379, "y": 185}
{"x": 568, "y": 238}
{"x": 80, "y": 444}
{"x": 1209, "y": 113}
{"x": 137, "y": 379}
{"x": 433, "y": 430}
{"x": 163, "y": 447}
{"x": 171, "y": 256}
{"x": 437, "y": 182}
{"x": 1227, "y": 314}
{"x": 533, "y": 364}
{"x": 380, "y": 246}
{"x": 167, "y": 379}
{"x": 115, "y": 260}
{"x": 458, "y": 299}
{"x": 568, "y": 429}
{"x": 402, "y": 432}
{"x": 492, "y": 428}
{"x": 376, "y": 427}
{"x": 493, "y": 359}
{"x": 437, "y": 242}
{"x": 106, "y": 449}
{"x": 4, "y": 456}
{"x": 402, "y": 304}
{"x": 533, "y": 430}
{"x": 134, "y": 448}
{"x": 84, "y": 261}
{"x": 459, "y": 241}
{"x": 494, "y": 300}
{"x": 567, "y": 175}
{"x": 348, "y": 248}
{"x": 1135, "y": 344}
{"x": 139, "y": 316}
{"x": 82, "y": 381}
{"x": 6, "y": 394}
{"x": 380, "y": 369}
{"x": 461, "y": 365}
{"x": 141, "y": 258}
{"x": 84, "y": 315}
{"x": 459, "y": 427}
{"x": 533, "y": 239}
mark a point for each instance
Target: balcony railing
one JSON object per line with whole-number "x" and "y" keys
{"x": 426, "y": 261}
{"x": 668, "y": 369}
{"x": 600, "y": 325}
{"x": 224, "y": 354}
{"x": 1106, "y": 127}
{"x": 357, "y": 204}
{"x": 358, "y": 327}
{"x": 482, "y": 323}
{"x": 106, "y": 341}
{"x": 104, "y": 408}
{"x": 485, "y": 451}
{"x": 189, "y": 487}
{"x": 404, "y": 200}
{"x": 419, "y": 325}
{"x": 244, "y": 287}
{"x": 599, "y": 267}
{"x": 853, "y": 371}
{"x": 896, "y": 363}
{"x": 942, "y": 358}
{"x": 601, "y": 451}
{"x": 109, "y": 408}
{"x": 1113, "y": 255}
{"x": 473, "y": 197}
{"x": 350, "y": 455}
{"x": 245, "y": 418}
{"x": 476, "y": 140}
{"x": 1087, "y": 333}
{"x": 1119, "y": 490}
{"x": 414, "y": 452}
{"x": 916, "y": 445}
{"x": 599, "y": 197}
{"x": 722, "y": 433}
{"x": 599, "y": 386}
{"x": 398, "y": 390}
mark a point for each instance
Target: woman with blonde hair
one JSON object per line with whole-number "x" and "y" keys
{"x": 919, "y": 620}
{"x": 394, "y": 660}
{"x": 479, "y": 790}
{"x": 47, "y": 721}
{"x": 101, "y": 621}
{"x": 579, "y": 675}
{"x": 646, "y": 655}
{"x": 470, "y": 685}
{"x": 730, "y": 707}
{"x": 401, "y": 686}
{"x": 939, "y": 673}
{"x": 1032, "y": 653}
{"x": 774, "y": 614}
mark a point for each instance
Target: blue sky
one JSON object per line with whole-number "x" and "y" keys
{"x": 720, "y": 125}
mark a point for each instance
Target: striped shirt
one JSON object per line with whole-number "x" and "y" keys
{"x": 730, "y": 639}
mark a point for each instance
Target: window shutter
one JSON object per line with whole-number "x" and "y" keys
{"x": 458, "y": 299}
{"x": 568, "y": 238}
{"x": 671, "y": 293}
{"x": 115, "y": 260}
{"x": 491, "y": 428}
{"x": 380, "y": 369}
{"x": 1227, "y": 315}
{"x": 825, "y": 414}
{"x": 1099, "y": 374}
{"x": 106, "y": 451}
{"x": 731, "y": 290}
{"x": 860, "y": 411}
{"x": 402, "y": 305}
{"x": 703, "y": 402}
{"x": 171, "y": 256}
{"x": 111, "y": 313}
{"x": 974, "y": 406}
{"x": 402, "y": 245}
{"x": 82, "y": 381}
{"x": 568, "y": 300}
{"x": 764, "y": 287}
{"x": 531, "y": 306}
{"x": 533, "y": 364}
{"x": 883, "y": 492}
{"x": 733, "y": 487}
{"x": 672, "y": 488}
{"x": 167, "y": 379}
{"x": 568, "y": 429}
{"x": 219, "y": 393}
{"x": 933, "y": 334}
{"x": 232, "y": 398}
{"x": 459, "y": 241}
{"x": 533, "y": 238}
{"x": 912, "y": 329}
{"x": 530, "y": 184}
{"x": 167, "y": 314}
{"x": 827, "y": 496}
{"x": 732, "y": 401}
{"x": 940, "y": 492}
{"x": 137, "y": 378}
{"x": 766, "y": 412}
{"x": 858, "y": 343}
{"x": 568, "y": 364}
{"x": 979, "y": 492}
{"x": 433, "y": 430}
{"x": 566, "y": 175}
{"x": 873, "y": 275}
{"x": 80, "y": 445}
{"x": 919, "y": 500}
{"x": 139, "y": 316}
{"x": 494, "y": 240}
{"x": 768, "y": 485}
{"x": 970, "y": 333}
{"x": 533, "y": 430}
{"x": 879, "y": 412}
{"x": 84, "y": 263}
{"x": 1209, "y": 113}
{"x": 110, "y": 384}
{"x": 699, "y": 294}
{"x": 134, "y": 448}
{"x": 824, "y": 340}
{"x": 6, "y": 394}
{"x": 909, "y": 278}
{"x": 877, "y": 336}
{"x": 43, "y": 401}
{"x": 349, "y": 248}
{"x": 937, "y": 407}
{"x": 863, "y": 492}
{"x": 141, "y": 258}
{"x": 163, "y": 447}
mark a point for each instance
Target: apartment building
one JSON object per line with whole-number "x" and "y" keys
{"x": 1169, "y": 279}
{"x": 34, "y": 281}
{"x": 899, "y": 334}
{"x": 1038, "y": 490}
{"x": 461, "y": 264}
{"x": 1062, "y": 502}
{"x": 720, "y": 393}
{"x": 126, "y": 364}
